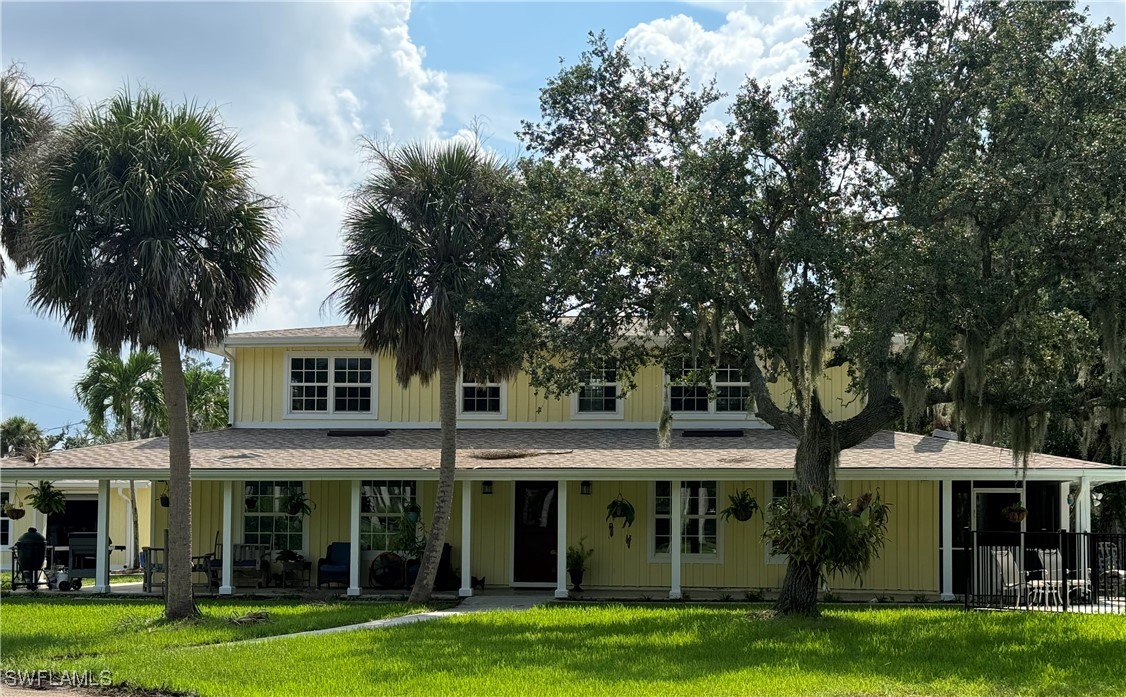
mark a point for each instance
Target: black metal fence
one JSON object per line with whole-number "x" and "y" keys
{"x": 1052, "y": 571}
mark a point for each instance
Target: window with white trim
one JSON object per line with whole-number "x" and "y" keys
{"x": 330, "y": 385}
{"x": 382, "y": 504}
{"x": 598, "y": 392}
{"x": 480, "y": 397}
{"x": 699, "y": 518}
{"x": 686, "y": 393}
{"x": 780, "y": 490}
{"x": 725, "y": 391}
{"x": 5, "y": 522}
{"x": 264, "y": 519}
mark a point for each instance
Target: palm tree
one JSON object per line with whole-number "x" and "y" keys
{"x": 125, "y": 388}
{"x": 207, "y": 393}
{"x": 26, "y": 119}
{"x": 425, "y": 238}
{"x": 146, "y": 230}
{"x": 17, "y": 435}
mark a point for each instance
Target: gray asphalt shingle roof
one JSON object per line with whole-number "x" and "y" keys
{"x": 593, "y": 449}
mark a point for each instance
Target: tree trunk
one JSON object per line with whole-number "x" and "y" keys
{"x": 136, "y": 561}
{"x": 815, "y": 462}
{"x": 179, "y": 602}
{"x": 443, "y": 505}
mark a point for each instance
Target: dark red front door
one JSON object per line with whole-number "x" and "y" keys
{"x": 536, "y": 523}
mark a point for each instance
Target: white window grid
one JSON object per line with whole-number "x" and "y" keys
{"x": 266, "y": 522}
{"x": 699, "y": 519}
{"x": 481, "y": 397}
{"x": 324, "y": 384}
{"x": 598, "y": 392}
{"x": 382, "y": 503}
{"x": 725, "y": 392}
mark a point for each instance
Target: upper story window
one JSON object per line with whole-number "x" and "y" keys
{"x": 331, "y": 385}
{"x": 691, "y": 391}
{"x": 598, "y": 394}
{"x": 484, "y": 397}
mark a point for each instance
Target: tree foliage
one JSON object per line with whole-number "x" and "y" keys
{"x": 146, "y": 229}
{"x": 936, "y": 203}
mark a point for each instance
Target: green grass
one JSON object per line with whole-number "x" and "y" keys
{"x": 40, "y": 631}
{"x": 615, "y": 650}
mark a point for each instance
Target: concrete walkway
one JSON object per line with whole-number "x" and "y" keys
{"x": 478, "y": 603}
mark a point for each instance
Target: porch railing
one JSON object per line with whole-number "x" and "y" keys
{"x": 1053, "y": 571}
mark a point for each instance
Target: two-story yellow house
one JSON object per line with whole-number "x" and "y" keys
{"x": 312, "y": 411}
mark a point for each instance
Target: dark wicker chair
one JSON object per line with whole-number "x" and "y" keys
{"x": 336, "y": 565}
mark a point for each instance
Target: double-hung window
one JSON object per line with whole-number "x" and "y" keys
{"x": 5, "y": 522}
{"x": 482, "y": 398}
{"x": 688, "y": 389}
{"x": 693, "y": 391}
{"x": 331, "y": 385}
{"x": 265, "y": 520}
{"x": 699, "y": 519}
{"x": 598, "y": 394}
{"x": 382, "y": 505}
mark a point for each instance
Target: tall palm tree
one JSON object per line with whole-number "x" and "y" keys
{"x": 426, "y": 237}
{"x": 17, "y": 435}
{"x": 146, "y": 229}
{"x": 127, "y": 389}
{"x": 207, "y": 395}
{"x": 26, "y": 118}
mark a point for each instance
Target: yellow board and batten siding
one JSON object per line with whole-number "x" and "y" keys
{"x": 261, "y": 381}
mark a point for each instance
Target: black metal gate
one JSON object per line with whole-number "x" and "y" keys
{"x": 1051, "y": 571}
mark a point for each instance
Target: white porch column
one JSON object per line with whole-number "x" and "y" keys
{"x": 226, "y": 586}
{"x": 1065, "y": 510}
{"x": 675, "y": 539}
{"x": 466, "y": 589}
{"x": 1083, "y": 506}
{"x": 354, "y": 542}
{"x": 947, "y": 540}
{"x": 561, "y": 542}
{"x": 101, "y": 559}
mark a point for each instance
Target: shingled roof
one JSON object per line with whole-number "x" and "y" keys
{"x": 622, "y": 451}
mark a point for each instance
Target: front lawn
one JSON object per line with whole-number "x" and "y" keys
{"x": 38, "y": 631}
{"x": 679, "y": 650}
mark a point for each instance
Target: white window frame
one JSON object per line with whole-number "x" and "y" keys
{"x": 243, "y": 514}
{"x": 478, "y": 415}
{"x": 685, "y": 557}
{"x": 776, "y": 559}
{"x": 619, "y": 407}
{"x": 331, "y": 414}
{"x": 711, "y": 414}
{"x": 365, "y": 485}
{"x": 5, "y": 521}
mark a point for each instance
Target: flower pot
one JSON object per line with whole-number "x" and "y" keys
{"x": 164, "y": 500}
{"x": 251, "y": 503}
{"x": 743, "y": 516}
{"x": 14, "y": 512}
{"x": 576, "y": 579}
{"x": 1016, "y": 516}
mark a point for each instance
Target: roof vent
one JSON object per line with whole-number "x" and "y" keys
{"x": 714, "y": 433}
{"x": 944, "y": 435}
{"x": 359, "y": 433}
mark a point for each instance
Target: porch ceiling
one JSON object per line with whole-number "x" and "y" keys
{"x": 588, "y": 453}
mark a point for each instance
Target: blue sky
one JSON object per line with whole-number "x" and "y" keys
{"x": 303, "y": 81}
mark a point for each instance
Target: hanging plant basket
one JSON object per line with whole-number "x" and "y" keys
{"x": 743, "y": 506}
{"x": 164, "y": 500}
{"x": 297, "y": 503}
{"x": 46, "y": 499}
{"x": 620, "y": 509}
{"x": 1015, "y": 513}
{"x": 14, "y": 512}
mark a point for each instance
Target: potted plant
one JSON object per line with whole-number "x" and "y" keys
{"x": 623, "y": 509}
{"x": 45, "y": 498}
{"x": 412, "y": 512}
{"x": 743, "y": 506}
{"x": 296, "y": 502}
{"x": 164, "y": 498}
{"x": 576, "y": 559}
{"x": 1015, "y": 512}
{"x": 288, "y": 555}
{"x": 251, "y": 502}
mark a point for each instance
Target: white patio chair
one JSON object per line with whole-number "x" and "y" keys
{"x": 1013, "y": 580}
{"x": 1076, "y": 581}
